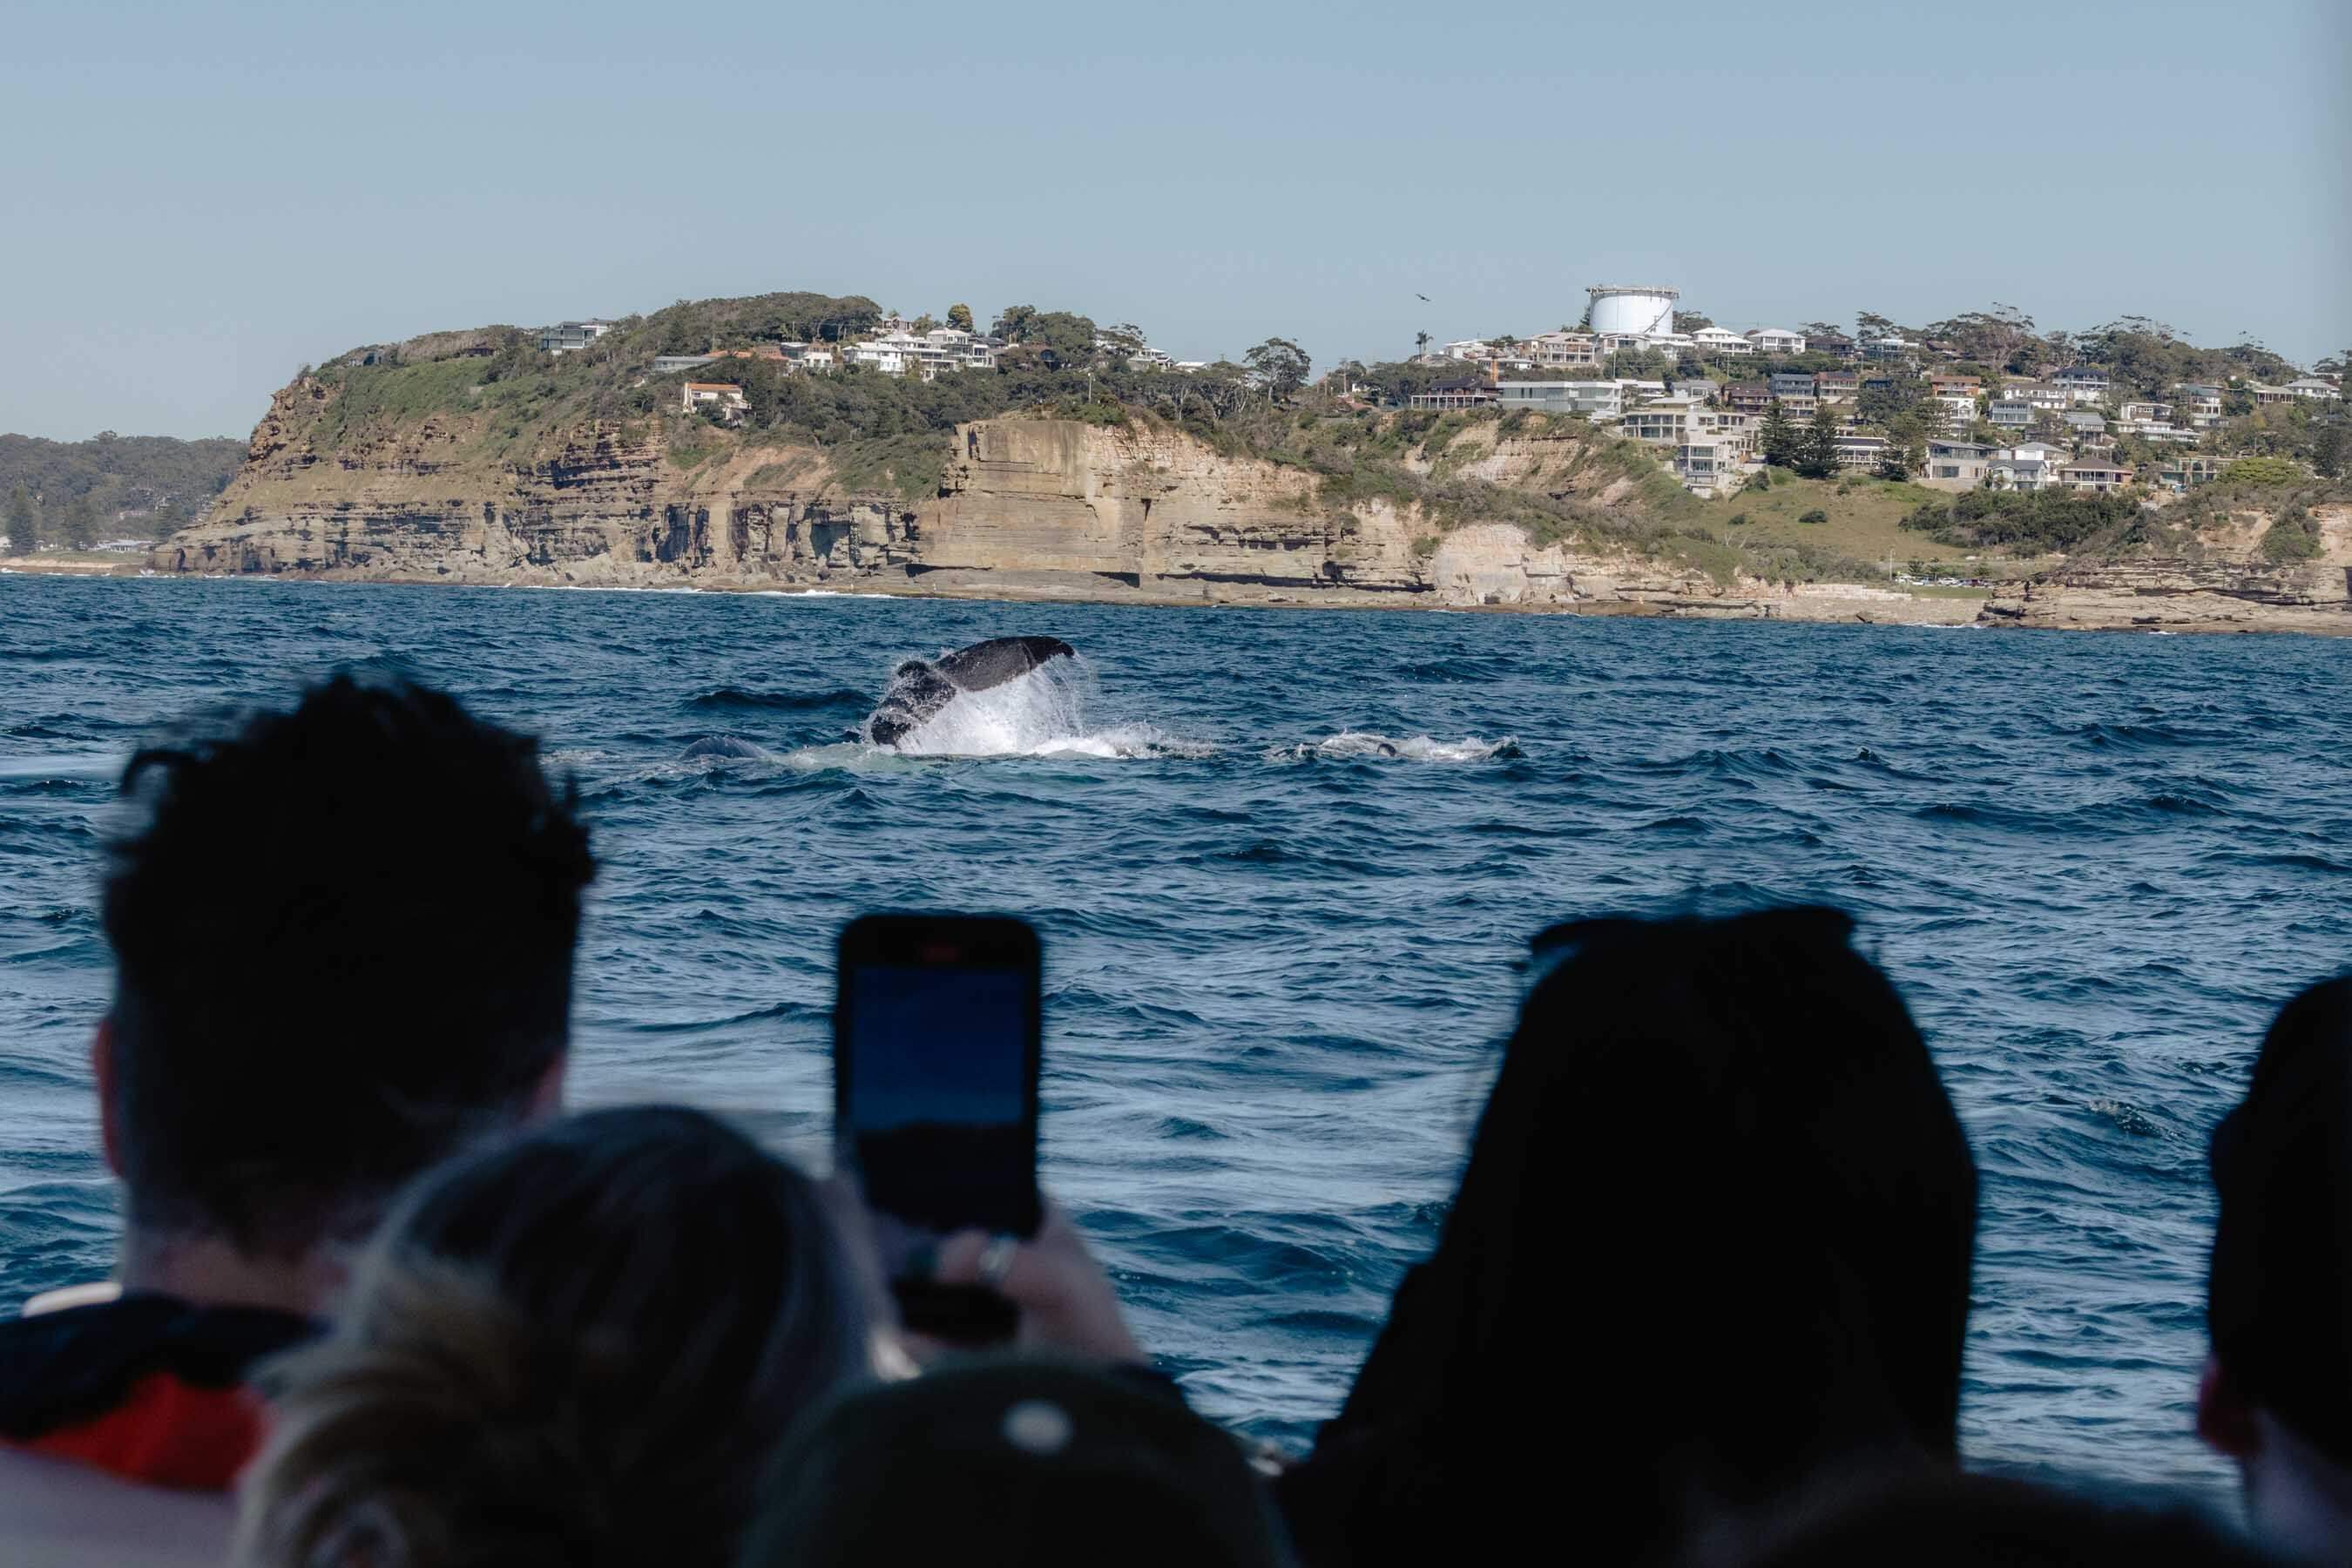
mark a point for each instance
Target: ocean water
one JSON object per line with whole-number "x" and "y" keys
{"x": 1286, "y": 863}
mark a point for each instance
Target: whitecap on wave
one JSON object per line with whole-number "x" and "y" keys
{"x": 1353, "y": 744}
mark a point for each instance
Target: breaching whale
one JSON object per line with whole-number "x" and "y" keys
{"x": 920, "y": 687}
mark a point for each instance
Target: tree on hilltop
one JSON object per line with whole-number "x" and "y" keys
{"x": 80, "y": 527}
{"x": 1780, "y": 439}
{"x": 959, "y": 317}
{"x": 1816, "y": 453}
{"x": 921, "y": 324}
{"x": 24, "y": 529}
{"x": 1283, "y": 364}
{"x": 1906, "y": 447}
{"x": 2327, "y": 450}
{"x": 1013, "y": 322}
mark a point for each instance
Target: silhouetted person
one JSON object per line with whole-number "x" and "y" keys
{"x": 1014, "y": 1462}
{"x": 2277, "y": 1393}
{"x": 581, "y": 1347}
{"x": 343, "y": 940}
{"x": 1977, "y": 1521}
{"x": 1712, "y": 1245}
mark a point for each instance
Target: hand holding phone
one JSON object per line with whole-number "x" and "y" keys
{"x": 1064, "y": 1300}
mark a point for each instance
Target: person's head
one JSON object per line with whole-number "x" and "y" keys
{"x": 1718, "y": 1216}
{"x": 1013, "y": 1463}
{"x": 343, "y": 938}
{"x": 581, "y": 1346}
{"x": 1955, "y": 1520}
{"x": 2277, "y": 1395}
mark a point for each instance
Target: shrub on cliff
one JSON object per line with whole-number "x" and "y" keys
{"x": 2040, "y": 520}
{"x": 2263, "y": 471}
{"x": 2293, "y": 537}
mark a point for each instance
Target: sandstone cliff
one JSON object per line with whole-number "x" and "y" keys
{"x": 1136, "y": 510}
{"x": 2220, "y": 583}
{"x": 1023, "y": 505}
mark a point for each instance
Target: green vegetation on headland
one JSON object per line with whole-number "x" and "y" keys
{"x": 494, "y": 402}
{"x": 70, "y": 495}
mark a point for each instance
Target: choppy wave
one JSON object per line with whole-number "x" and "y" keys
{"x": 1356, "y": 743}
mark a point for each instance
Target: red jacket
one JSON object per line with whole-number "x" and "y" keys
{"x": 147, "y": 1388}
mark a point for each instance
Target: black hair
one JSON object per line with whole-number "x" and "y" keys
{"x": 1715, "y": 1230}
{"x": 343, "y": 938}
{"x": 1959, "y": 1521}
{"x": 1008, "y": 1460}
{"x": 2278, "y": 1294}
{"x": 580, "y": 1345}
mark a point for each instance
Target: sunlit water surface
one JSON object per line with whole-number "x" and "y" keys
{"x": 1285, "y": 863}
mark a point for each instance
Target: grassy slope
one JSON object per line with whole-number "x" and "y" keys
{"x": 1864, "y": 524}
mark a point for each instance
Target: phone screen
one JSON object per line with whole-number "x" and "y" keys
{"x": 938, "y": 1102}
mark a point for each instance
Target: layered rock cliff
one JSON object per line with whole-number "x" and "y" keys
{"x": 2221, "y": 581}
{"x": 1027, "y": 506}
{"x": 1023, "y": 505}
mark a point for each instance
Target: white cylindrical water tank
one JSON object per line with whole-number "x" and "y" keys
{"x": 1636, "y": 310}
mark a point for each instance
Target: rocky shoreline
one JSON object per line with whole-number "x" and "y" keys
{"x": 1062, "y": 510}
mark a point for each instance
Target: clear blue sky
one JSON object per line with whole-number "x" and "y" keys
{"x": 202, "y": 197}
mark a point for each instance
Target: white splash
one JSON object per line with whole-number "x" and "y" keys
{"x": 1354, "y": 743}
{"x": 1039, "y": 715}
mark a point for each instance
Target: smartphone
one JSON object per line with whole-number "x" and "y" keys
{"x": 936, "y": 1041}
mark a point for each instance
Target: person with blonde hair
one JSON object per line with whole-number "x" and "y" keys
{"x": 581, "y": 1347}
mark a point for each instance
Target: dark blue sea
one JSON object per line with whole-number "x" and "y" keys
{"x": 1280, "y": 958}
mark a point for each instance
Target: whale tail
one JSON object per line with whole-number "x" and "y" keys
{"x": 920, "y": 687}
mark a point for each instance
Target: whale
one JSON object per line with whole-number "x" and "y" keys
{"x": 920, "y": 687}
{"x": 724, "y": 746}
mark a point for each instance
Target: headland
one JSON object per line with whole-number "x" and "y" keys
{"x": 800, "y": 441}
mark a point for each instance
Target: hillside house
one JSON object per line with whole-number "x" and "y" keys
{"x": 2038, "y": 394}
{"x": 2180, "y": 474}
{"x": 2197, "y": 407}
{"x": 2094, "y": 474}
{"x": 1862, "y": 452}
{"x": 1721, "y": 341}
{"x": 1891, "y": 350}
{"x": 2317, "y": 389}
{"x": 1794, "y": 383}
{"x": 571, "y": 337}
{"x": 1562, "y": 351}
{"x": 1960, "y": 412}
{"x": 1834, "y": 344}
{"x": 2082, "y": 384}
{"x": 1467, "y": 392}
{"x": 1711, "y": 464}
{"x": 2010, "y": 413}
{"x": 1749, "y": 396}
{"x": 1668, "y": 421}
{"x": 2023, "y": 468}
{"x": 1777, "y": 340}
{"x": 1837, "y": 386}
{"x": 2140, "y": 409}
{"x": 1956, "y": 465}
{"x": 724, "y": 396}
{"x": 1943, "y": 385}
{"x": 670, "y": 365}
{"x": 1593, "y": 399}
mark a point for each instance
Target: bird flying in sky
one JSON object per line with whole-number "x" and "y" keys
{"x": 1423, "y": 297}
